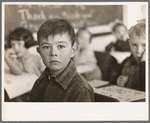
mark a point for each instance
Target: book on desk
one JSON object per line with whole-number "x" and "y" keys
{"x": 118, "y": 93}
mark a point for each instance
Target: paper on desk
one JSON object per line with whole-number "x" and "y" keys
{"x": 121, "y": 93}
{"x": 84, "y": 69}
{"x": 16, "y": 85}
{"x": 96, "y": 83}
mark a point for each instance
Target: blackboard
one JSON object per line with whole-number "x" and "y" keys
{"x": 32, "y": 16}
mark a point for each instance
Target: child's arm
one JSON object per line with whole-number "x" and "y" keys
{"x": 115, "y": 72}
{"x": 85, "y": 95}
{"x": 142, "y": 73}
{"x": 142, "y": 76}
{"x": 123, "y": 78}
{"x": 12, "y": 62}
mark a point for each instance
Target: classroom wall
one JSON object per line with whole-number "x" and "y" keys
{"x": 134, "y": 12}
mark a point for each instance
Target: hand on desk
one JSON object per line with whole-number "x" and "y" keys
{"x": 122, "y": 80}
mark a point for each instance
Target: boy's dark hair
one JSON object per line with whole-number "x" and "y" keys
{"x": 83, "y": 29}
{"x": 118, "y": 25}
{"x": 56, "y": 26}
{"x": 21, "y": 34}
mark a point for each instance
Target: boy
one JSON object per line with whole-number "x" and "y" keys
{"x": 133, "y": 68}
{"x": 60, "y": 81}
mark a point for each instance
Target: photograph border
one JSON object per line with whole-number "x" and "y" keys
{"x": 75, "y": 111}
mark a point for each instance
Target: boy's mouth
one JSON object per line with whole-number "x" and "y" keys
{"x": 17, "y": 52}
{"x": 138, "y": 58}
{"x": 54, "y": 61}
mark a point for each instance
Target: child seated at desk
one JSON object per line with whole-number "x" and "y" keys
{"x": 132, "y": 70}
{"x": 121, "y": 44}
{"x": 85, "y": 55}
{"x": 60, "y": 82}
{"x": 17, "y": 56}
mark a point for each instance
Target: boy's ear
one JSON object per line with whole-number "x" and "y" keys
{"x": 74, "y": 49}
{"x": 38, "y": 49}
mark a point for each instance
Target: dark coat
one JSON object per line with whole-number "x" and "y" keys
{"x": 68, "y": 86}
{"x": 135, "y": 72}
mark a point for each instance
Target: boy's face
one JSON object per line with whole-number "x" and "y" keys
{"x": 56, "y": 52}
{"x": 19, "y": 47}
{"x": 137, "y": 46}
{"x": 121, "y": 33}
{"x": 83, "y": 39}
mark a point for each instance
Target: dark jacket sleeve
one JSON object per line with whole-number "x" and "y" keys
{"x": 37, "y": 92}
{"x": 85, "y": 95}
{"x": 116, "y": 71}
{"x": 142, "y": 76}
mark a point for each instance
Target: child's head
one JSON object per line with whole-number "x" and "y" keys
{"x": 54, "y": 27}
{"x": 83, "y": 38}
{"x": 120, "y": 31}
{"x": 57, "y": 46}
{"x": 20, "y": 39}
{"x": 137, "y": 40}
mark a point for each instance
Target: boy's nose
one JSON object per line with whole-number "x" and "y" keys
{"x": 53, "y": 51}
{"x": 140, "y": 50}
{"x": 53, "y": 54}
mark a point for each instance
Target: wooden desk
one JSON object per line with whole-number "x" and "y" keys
{"x": 105, "y": 92}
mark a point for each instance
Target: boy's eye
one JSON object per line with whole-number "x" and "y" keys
{"x": 46, "y": 47}
{"x": 61, "y": 46}
{"x": 134, "y": 45}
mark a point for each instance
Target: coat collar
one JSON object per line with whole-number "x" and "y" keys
{"x": 65, "y": 77}
{"x": 132, "y": 59}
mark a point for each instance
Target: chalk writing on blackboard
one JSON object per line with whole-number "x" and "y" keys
{"x": 32, "y": 16}
{"x": 29, "y": 18}
{"x": 26, "y": 15}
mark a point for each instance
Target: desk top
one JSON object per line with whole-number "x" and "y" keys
{"x": 84, "y": 69}
{"x": 98, "y": 83}
{"x": 16, "y": 85}
{"x": 122, "y": 94}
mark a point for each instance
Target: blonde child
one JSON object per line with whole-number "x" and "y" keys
{"x": 132, "y": 71}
